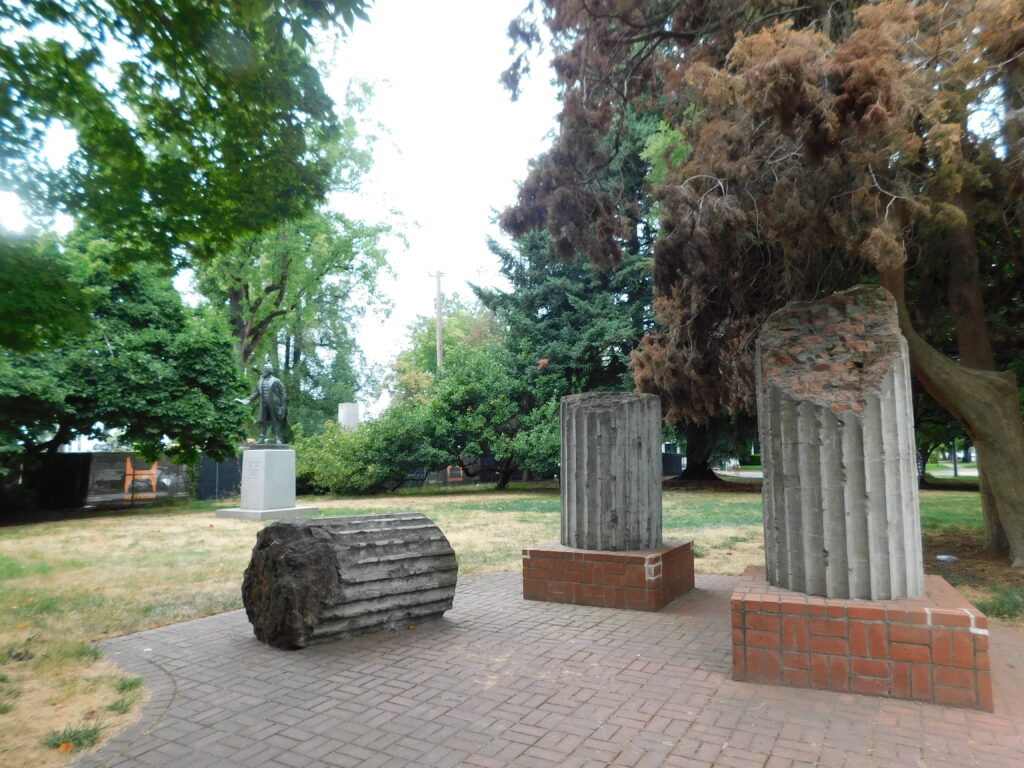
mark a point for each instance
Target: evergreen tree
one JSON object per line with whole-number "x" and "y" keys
{"x": 832, "y": 143}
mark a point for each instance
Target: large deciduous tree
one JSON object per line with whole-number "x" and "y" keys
{"x": 291, "y": 297}
{"x": 41, "y": 301}
{"x": 477, "y": 408}
{"x": 831, "y": 142}
{"x": 160, "y": 373}
{"x": 465, "y": 325}
{"x": 195, "y": 122}
{"x": 282, "y": 278}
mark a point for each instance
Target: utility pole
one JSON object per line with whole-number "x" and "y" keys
{"x": 439, "y": 333}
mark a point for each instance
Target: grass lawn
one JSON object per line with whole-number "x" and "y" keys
{"x": 66, "y": 585}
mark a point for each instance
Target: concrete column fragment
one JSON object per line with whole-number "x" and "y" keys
{"x": 611, "y": 471}
{"x": 310, "y": 581}
{"x": 841, "y": 515}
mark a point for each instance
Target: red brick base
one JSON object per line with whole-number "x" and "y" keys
{"x": 639, "y": 580}
{"x": 933, "y": 648}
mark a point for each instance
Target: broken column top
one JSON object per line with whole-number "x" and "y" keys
{"x": 834, "y": 350}
{"x": 605, "y": 400}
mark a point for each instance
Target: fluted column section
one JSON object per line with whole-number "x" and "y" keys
{"x": 841, "y": 513}
{"x": 310, "y": 581}
{"x": 611, "y": 471}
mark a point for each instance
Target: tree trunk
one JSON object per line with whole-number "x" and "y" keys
{"x": 987, "y": 404}
{"x": 700, "y": 441}
{"x": 922, "y": 465}
{"x": 995, "y": 534}
{"x": 507, "y": 468}
{"x": 974, "y": 343}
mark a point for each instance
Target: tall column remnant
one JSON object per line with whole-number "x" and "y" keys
{"x": 837, "y": 442}
{"x": 611, "y": 471}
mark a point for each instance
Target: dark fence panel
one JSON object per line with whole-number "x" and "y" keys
{"x": 672, "y": 463}
{"x": 121, "y": 478}
{"x": 218, "y": 480}
{"x": 75, "y": 480}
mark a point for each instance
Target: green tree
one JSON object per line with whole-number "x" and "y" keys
{"x": 288, "y": 276}
{"x": 149, "y": 367}
{"x": 465, "y": 325}
{"x": 568, "y": 327}
{"x": 290, "y": 297}
{"x": 195, "y": 122}
{"x": 832, "y": 142}
{"x": 377, "y": 456}
{"x": 569, "y": 319}
{"x": 476, "y": 410}
{"x": 41, "y": 299}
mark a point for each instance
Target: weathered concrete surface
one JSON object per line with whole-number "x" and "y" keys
{"x": 837, "y": 445}
{"x": 611, "y": 471}
{"x": 329, "y": 578}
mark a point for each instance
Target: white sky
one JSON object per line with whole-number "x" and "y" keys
{"x": 457, "y": 147}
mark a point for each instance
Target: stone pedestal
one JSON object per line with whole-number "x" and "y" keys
{"x": 933, "y": 648}
{"x": 348, "y": 415}
{"x": 268, "y": 486}
{"x": 841, "y": 515}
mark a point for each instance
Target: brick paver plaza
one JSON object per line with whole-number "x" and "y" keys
{"x": 502, "y": 681}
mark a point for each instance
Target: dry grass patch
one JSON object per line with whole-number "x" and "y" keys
{"x": 66, "y": 585}
{"x": 488, "y": 531}
{"x": 47, "y": 704}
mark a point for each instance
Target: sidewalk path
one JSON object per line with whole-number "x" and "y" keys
{"x": 505, "y": 682}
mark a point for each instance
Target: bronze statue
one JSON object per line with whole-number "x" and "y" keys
{"x": 273, "y": 403}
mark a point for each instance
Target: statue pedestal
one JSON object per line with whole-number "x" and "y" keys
{"x": 268, "y": 486}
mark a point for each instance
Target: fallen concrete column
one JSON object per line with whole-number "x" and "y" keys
{"x": 837, "y": 445}
{"x": 315, "y": 580}
{"x": 611, "y": 471}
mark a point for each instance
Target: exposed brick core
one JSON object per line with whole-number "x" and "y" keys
{"x": 639, "y": 580}
{"x": 933, "y": 648}
{"x": 832, "y": 350}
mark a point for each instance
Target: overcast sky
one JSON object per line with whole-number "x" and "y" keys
{"x": 457, "y": 147}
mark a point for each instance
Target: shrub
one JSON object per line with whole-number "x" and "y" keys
{"x": 376, "y": 456}
{"x": 79, "y": 737}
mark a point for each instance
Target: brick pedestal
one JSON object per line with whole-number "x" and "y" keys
{"x": 638, "y": 580}
{"x": 932, "y": 648}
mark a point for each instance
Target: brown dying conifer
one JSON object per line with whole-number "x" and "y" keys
{"x": 826, "y": 143}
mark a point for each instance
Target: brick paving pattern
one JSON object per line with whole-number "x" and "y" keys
{"x": 502, "y": 681}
